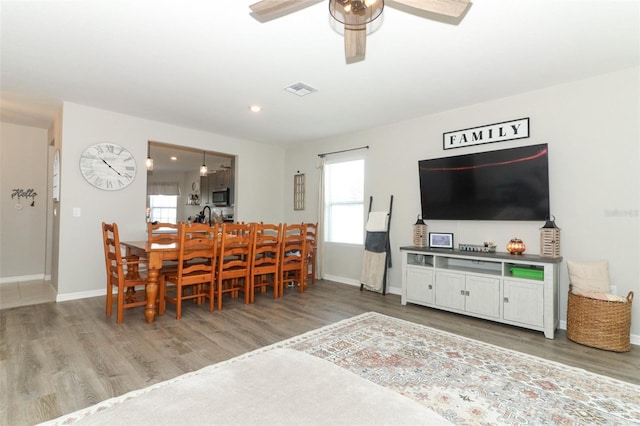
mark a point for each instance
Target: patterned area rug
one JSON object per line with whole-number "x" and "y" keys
{"x": 470, "y": 382}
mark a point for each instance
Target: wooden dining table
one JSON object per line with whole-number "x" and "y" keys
{"x": 156, "y": 254}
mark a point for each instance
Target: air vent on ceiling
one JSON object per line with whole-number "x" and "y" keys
{"x": 300, "y": 89}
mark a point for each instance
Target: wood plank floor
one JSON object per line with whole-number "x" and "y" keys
{"x": 56, "y": 358}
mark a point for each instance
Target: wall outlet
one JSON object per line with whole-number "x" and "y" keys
{"x": 613, "y": 289}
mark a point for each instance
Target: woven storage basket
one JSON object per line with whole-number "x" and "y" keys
{"x": 600, "y": 324}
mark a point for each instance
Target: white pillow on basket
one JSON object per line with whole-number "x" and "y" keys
{"x": 589, "y": 277}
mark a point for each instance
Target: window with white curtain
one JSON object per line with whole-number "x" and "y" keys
{"x": 344, "y": 201}
{"x": 163, "y": 208}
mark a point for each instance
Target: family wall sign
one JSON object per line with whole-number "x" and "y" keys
{"x": 498, "y": 132}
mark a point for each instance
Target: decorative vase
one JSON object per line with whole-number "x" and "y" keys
{"x": 516, "y": 246}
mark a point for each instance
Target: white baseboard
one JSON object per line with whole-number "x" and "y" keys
{"x": 351, "y": 281}
{"x": 342, "y": 280}
{"x": 21, "y": 278}
{"x": 80, "y": 295}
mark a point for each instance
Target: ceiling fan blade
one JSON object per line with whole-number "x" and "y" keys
{"x": 355, "y": 43}
{"x": 453, "y": 8}
{"x": 267, "y": 10}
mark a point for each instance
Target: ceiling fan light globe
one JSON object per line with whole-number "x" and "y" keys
{"x": 370, "y": 28}
{"x": 355, "y": 12}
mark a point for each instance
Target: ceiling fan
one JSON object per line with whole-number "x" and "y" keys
{"x": 355, "y": 15}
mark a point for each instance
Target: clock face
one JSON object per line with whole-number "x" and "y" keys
{"x": 108, "y": 166}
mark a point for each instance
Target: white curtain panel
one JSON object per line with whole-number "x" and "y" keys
{"x": 320, "y": 236}
{"x": 163, "y": 188}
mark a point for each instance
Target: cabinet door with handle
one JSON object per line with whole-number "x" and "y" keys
{"x": 523, "y": 302}
{"x": 483, "y": 295}
{"x": 419, "y": 285}
{"x": 450, "y": 290}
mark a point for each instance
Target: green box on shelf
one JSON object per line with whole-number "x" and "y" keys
{"x": 524, "y": 272}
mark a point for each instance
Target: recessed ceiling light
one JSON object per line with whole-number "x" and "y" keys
{"x": 255, "y": 108}
{"x": 174, "y": 158}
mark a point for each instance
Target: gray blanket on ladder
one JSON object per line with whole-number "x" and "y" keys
{"x": 374, "y": 260}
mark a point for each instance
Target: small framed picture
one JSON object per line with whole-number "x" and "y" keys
{"x": 440, "y": 240}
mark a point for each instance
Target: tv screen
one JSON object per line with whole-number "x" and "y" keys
{"x": 508, "y": 184}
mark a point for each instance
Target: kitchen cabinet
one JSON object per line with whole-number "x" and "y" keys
{"x": 205, "y": 193}
{"x": 219, "y": 179}
{"x": 216, "y": 180}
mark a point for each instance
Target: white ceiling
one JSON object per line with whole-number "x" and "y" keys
{"x": 200, "y": 64}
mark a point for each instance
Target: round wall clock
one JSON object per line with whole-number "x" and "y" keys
{"x": 108, "y": 166}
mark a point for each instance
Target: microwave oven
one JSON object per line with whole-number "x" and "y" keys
{"x": 220, "y": 197}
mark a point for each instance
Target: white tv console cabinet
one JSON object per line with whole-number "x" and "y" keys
{"x": 483, "y": 285}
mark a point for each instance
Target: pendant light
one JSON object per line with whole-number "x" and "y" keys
{"x": 149, "y": 162}
{"x": 203, "y": 168}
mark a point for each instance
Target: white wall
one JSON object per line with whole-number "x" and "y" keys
{"x": 591, "y": 127}
{"x": 81, "y": 270}
{"x": 23, "y": 160}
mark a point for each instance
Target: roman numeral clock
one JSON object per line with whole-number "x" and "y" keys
{"x": 108, "y": 166}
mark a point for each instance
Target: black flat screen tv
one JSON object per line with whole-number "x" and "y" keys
{"x": 508, "y": 184}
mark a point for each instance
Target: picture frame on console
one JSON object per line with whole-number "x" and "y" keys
{"x": 442, "y": 240}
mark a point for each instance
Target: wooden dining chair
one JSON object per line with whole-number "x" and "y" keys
{"x": 123, "y": 274}
{"x": 237, "y": 228}
{"x": 195, "y": 274}
{"x": 163, "y": 233}
{"x": 265, "y": 250}
{"x": 234, "y": 262}
{"x": 312, "y": 248}
{"x": 293, "y": 252}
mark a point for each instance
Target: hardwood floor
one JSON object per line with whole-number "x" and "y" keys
{"x": 56, "y": 358}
